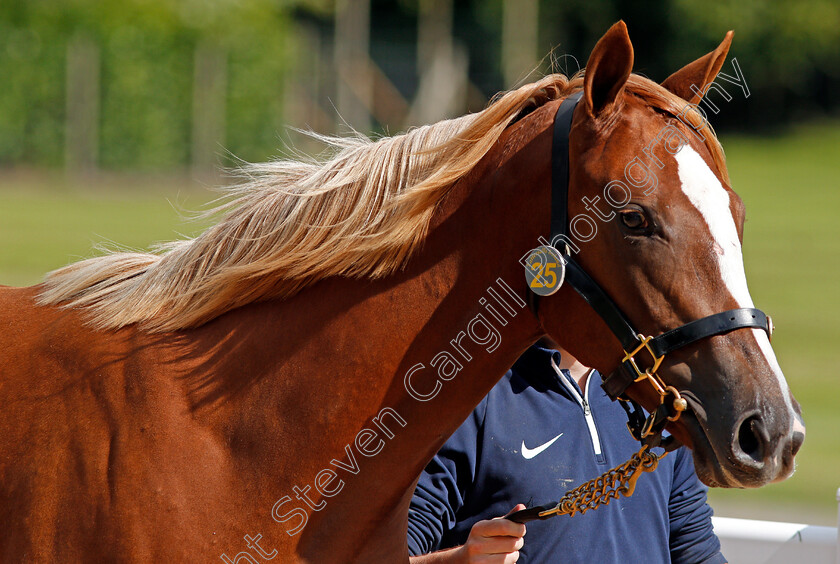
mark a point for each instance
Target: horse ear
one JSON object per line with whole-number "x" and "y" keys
{"x": 699, "y": 73}
{"x": 606, "y": 73}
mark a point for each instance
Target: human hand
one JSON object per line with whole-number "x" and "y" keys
{"x": 494, "y": 541}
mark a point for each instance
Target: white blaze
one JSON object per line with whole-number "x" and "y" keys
{"x": 711, "y": 199}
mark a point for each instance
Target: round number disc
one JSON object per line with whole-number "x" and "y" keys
{"x": 545, "y": 270}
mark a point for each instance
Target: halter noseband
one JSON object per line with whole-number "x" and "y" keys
{"x": 629, "y": 371}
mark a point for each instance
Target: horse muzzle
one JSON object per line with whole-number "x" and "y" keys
{"x": 760, "y": 450}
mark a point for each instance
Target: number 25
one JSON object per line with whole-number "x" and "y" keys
{"x": 548, "y": 271}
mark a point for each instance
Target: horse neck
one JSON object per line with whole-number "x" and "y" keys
{"x": 443, "y": 332}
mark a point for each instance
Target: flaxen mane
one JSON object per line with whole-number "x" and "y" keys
{"x": 361, "y": 213}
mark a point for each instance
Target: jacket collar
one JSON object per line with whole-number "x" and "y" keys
{"x": 534, "y": 366}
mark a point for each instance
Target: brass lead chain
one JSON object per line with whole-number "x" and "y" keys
{"x": 620, "y": 480}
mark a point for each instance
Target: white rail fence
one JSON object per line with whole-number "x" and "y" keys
{"x": 746, "y": 541}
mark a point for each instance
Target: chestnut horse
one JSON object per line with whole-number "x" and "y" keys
{"x": 274, "y": 386}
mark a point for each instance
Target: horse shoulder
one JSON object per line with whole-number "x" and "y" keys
{"x": 93, "y": 430}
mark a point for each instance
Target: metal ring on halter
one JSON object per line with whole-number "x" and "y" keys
{"x": 679, "y": 404}
{"x": 647, "y": 428}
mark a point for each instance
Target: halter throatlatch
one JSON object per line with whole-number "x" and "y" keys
{"x": 643, "y": 355}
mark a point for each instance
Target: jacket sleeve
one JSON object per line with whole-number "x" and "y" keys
{"x": 444, "y": 485}
{"x": 692, "y": 538}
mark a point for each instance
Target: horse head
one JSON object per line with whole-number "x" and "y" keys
{"x": 659, "y": 228}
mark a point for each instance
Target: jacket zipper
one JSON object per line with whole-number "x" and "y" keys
{"x": 590, "y": 420}
{"x": 584, "y": 403}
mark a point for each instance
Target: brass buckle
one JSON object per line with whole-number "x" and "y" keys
{"x": 678, "y": 405}
{"x": 629, "y": 357}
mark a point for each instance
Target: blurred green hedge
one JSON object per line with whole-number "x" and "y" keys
{"x": 146, "y": 62}
{"x": 789, "y": 52}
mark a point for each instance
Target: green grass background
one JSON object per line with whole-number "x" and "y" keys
{"x": 791, "y": 187}
{"x": 47, "y": 222}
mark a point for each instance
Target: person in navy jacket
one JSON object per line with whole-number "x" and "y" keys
{"x": 545, "y": 428}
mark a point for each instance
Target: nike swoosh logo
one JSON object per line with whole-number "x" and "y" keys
{"x": 529, "y": 453}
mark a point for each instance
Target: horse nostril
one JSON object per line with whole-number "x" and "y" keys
{"x": 798, "y": 439}
{"x": 750, "y": 438}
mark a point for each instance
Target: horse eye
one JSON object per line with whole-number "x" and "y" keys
{"x": 633, "y": 219}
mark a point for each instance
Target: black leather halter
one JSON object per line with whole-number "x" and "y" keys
{"x": 632, "y": 341}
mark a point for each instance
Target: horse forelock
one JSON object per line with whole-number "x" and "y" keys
{"x": 361, "y": 212}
